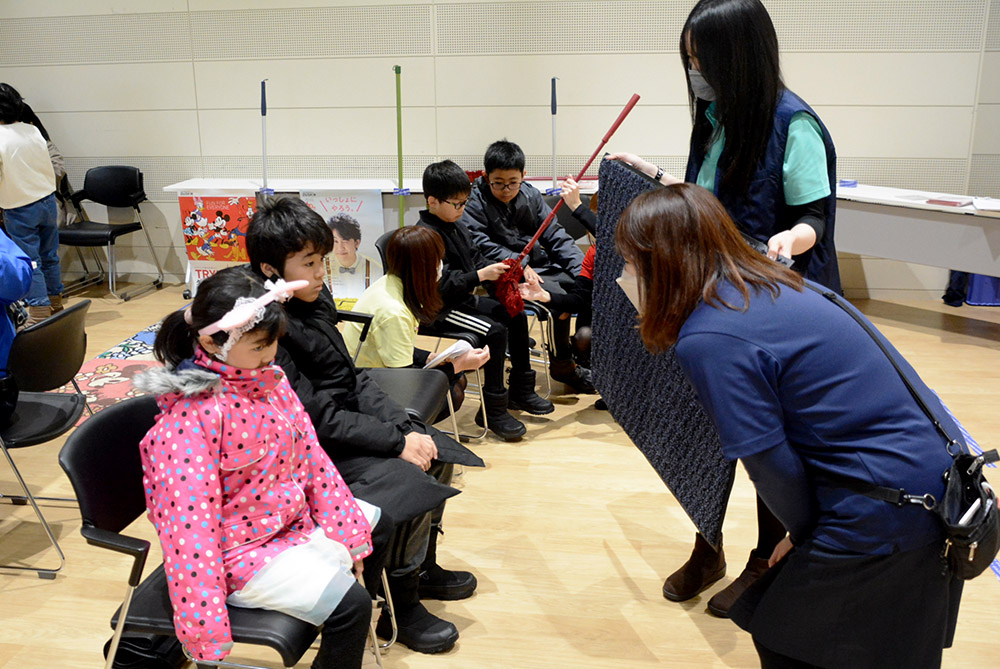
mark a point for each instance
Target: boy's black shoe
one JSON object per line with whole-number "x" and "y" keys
{"x": 523, "y": 396}
{"x": 439, "y": 583}
{"x": 573, "y": 375}
{"x": 418, "y": 629}
{"x": 498, "y": 420}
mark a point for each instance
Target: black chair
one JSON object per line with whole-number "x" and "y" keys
{"x": 565, "y": 218}
{"x": 445, "y": 333}
{"x": 44, "y": 357}
{"x": 111, "y": 186}
{"x": 101, "y": 459}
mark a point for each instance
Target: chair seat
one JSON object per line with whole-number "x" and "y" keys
{"x": 422, "y": 392}
{"x": 444, "y": 332}
{"x": 41, "y": 417}
{"x": 150, "y": 613}
{"x": 89, "y": 233}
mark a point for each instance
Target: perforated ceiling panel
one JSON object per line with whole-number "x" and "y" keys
{"x": 115, "y": 38}
{"x": 157, "y": 171}
{"x": 637, "y": 26}
{"x": 945, "y": 175}
{"x": 984, "y": 177}
{"x": 993, "y": 27}
{"x": 315, "y": 167}
{"x": 312, "y": 32}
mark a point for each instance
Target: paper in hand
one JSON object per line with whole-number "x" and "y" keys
{"x": 454, "y": 351}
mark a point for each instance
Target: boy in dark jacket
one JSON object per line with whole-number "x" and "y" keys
{"x": 379, "y": 450}
{"x": 446, "y": 189}
{"x": 503, "y": 213}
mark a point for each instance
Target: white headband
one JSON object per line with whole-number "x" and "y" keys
{"x": 247, "y": 312}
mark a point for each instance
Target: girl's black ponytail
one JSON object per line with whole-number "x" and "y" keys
{"x": 175, "y": 341}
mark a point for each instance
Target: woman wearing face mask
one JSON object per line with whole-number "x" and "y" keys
{"x": 402, "y": 299}
{"x": 769, "y": 159}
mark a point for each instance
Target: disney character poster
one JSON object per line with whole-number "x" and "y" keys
{"x": 355, "y": 217}
{"x": 215, "y": 227}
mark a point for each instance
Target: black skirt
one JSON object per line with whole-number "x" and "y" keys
{"x": 834, "y": 611}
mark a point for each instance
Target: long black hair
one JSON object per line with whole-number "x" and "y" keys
{"x": 177, "y": 339}
{"x": 737, "y": 51}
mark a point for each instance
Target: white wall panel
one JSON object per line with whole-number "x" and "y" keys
{"x": 988, "y": 129}
{"x": 46, "y": 8}
{"x": 586, "y": 79}
{"x": 650, "y": 129}
{"x": 899, "y": 132}
{"x": 311, "y": 132}
{"x": 989, "y": 92}
{"x": 111, "y": 87}
{"x": 873, "y": 78}
{"x": 149, "y": 133}
{"x": 319, "y": 82}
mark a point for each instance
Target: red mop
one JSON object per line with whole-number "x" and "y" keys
{"x": 506, "y": 289}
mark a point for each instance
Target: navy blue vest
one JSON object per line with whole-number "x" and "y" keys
{"x": 763, "y": 212}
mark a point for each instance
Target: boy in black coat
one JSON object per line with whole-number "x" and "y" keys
{"x": 379, "y": 450}
{"x": 503, "y": 213}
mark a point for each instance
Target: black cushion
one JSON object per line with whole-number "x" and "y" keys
{"x": 422, "y": 392}
{"x": 150, "y": 612}
{"x": 89, "y": 233}
{"x": 41, "y": 417}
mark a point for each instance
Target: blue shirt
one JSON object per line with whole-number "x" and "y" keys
{"x": 799, "y": 371}
{"x": 15, "y": 280}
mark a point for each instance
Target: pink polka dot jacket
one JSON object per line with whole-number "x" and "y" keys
{"x": 233, "y": 476}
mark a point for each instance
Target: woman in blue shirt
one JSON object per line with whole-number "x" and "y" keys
{"x": 769, "y": 159}
{"x": 800, "y": 407}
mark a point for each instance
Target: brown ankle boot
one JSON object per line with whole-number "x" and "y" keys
{"x": 703, "y": 568}
{"x": 55, "y": 301}
{"x": 37, "y": 315}
{"x": 723, "y": 600}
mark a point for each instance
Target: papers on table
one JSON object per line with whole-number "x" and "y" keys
{"x": 986, "y": 203}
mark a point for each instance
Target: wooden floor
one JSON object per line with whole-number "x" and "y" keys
{"x": 569, "y": 532}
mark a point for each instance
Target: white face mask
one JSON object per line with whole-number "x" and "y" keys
{"x": 440, "y": 270}
{"x": 699, "y": 86}
{"x": 630, "y": 286}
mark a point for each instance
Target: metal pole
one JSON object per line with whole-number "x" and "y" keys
{"x": 554, "y": 181}
{"x": 263, "y": 129}
{"x": 399, "y": 141}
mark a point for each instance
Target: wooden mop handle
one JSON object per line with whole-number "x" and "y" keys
{"x": 552, "y": 214}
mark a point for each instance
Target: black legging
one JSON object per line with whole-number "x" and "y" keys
{"x": 496, "y": 329}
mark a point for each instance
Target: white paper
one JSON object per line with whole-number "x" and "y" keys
{"x": 986, "y": 203}
{"x": 455, "y": 350}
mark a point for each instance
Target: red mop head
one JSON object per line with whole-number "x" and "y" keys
{"x": 506, "y": 289}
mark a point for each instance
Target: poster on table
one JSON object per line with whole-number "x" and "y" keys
{"x": 355, "y": 216}
{"x": 214, "y": 226}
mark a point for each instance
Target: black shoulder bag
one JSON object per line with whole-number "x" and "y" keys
{"x": 968, "y": 510}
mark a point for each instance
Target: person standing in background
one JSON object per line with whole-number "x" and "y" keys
{"x": 27, "y": 196}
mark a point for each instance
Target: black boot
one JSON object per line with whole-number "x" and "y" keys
{"x": 573, "y": 375}
{"x": 417, "y": 628}
{"x": 523, "y": 395}
{"x": 439, "y": 583}
{"x": 498, "y": 419}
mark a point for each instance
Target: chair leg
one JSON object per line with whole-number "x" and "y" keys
{"x": 155, "y": 283}
{"x": 372, "y": 638}
{"x": 89, "y": 278}
{"x": 392, "y": 611}
{"x": 85, "y": 402}
{"x": 460, "y": 436}
{"x": 116, "y": 636}
{"x": 42, "y": 573}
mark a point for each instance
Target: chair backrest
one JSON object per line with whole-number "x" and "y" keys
{"x": 564, "y": 216}
{"x": 101, "y": 459}
{"x": 382, "y": 243}
{"x": 49, "y": 354}
{"x": 114, "y": 186}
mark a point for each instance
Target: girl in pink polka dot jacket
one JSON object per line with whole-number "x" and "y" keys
{"x": 248, "y": 507}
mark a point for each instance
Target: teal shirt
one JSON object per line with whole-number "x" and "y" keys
{"x": 804, "y": 175}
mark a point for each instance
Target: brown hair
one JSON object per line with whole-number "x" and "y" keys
{"x": 682, "y": 244}
{"x": 413, "y": 254}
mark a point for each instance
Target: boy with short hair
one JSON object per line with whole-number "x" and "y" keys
{"x": 379, "y": 450}
{"x": 503, "y": 214}
{"x": 446, "y": 189}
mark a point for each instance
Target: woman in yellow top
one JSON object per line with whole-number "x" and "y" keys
{"x": 402, "y": 299}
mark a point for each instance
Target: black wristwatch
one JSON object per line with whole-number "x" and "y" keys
{"x": 659, "y": 173}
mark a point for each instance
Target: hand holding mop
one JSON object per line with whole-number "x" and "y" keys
{"x": 507, "y": 291}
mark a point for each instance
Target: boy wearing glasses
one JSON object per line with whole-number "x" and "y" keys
{"x": 503, "y": 213}
{"x": 464, "y": 267}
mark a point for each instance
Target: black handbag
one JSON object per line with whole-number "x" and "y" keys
{"x": 968, "y": 510}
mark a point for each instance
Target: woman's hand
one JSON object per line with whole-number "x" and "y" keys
{"x": 571, "y": 193}
{"x": 534, "y": 292}
{"x": 492, "y": 272}
{"x": 792, "y": 242}
{"x": 470, "y": 360}
{"x": 531, "y": 276}
{"x": 780, "y": 551}
{"x": 644, "y": 166}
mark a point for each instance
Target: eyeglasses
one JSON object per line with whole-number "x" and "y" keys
{"x": 457, "y": 205}
{"x": 498, "y": 185}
